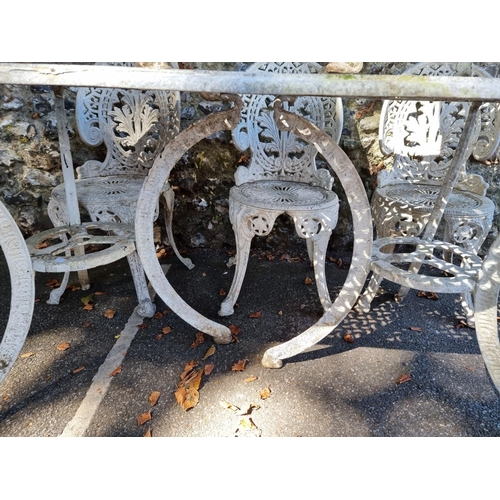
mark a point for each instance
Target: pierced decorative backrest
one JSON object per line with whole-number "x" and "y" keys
{"x": 134, "y": 125}
{"x": 282, "y": 155}
{"x": 423, "y": 135}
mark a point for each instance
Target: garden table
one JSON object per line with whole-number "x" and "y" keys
{"x": 232, "y": 83}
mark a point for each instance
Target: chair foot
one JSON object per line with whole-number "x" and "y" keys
{"x": 146, "y": 309}
{"x": 187, "y": 262}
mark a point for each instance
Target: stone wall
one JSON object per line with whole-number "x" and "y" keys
{"x": 30, "y": 168}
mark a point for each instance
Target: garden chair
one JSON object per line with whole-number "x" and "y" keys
{"x": 134, "y": 126}
{"x": 422, "y": 138}
{"x": 282, "y": 178}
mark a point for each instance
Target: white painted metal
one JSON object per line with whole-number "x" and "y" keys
{"x": 282, "y": 178}
{"x": 22, "y": 289}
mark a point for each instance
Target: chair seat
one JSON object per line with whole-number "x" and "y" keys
{"x": 113, "y": 188}
{"x": 284, "y": 196}
{"x": 422, "y": 197}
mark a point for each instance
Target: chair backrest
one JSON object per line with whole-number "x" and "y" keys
{"x": 423, "y": 135}
{"x": 282, "y": 155}
{"x": 134, "y": 125}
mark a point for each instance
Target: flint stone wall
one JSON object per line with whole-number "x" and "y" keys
{"x": 30, "y": 164}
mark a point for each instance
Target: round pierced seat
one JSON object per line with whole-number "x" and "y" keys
{"x": 105, "y": 198}
{"x": 284, "y": 196}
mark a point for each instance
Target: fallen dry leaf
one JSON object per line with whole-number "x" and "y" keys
{"x": 166, "y": 329}
{"x": 200, "y": 338}
{"x": 234, "y": 329}
{"x": 158, "y": 315}
{"x": 239, "y": 366}
{"x": 207, "y": 370}
{"x": 250, "y": 379}
{"x": 109, "y": 313}
{"x": 79, "y": 369}
{"x": 116, "y": 371}
{"x": 142, "y": 419}
{"x": 153, "y": 398}
{"x": 255, "y": 315}
{"x": 100, "y": 293}
{"x": 142, "y": 325}
{"x": 187, "y": 394}
{"x": 88, "y": 307}
{"x": 63, "y": 346}
{"x": 148, "y": 434}
{"x": 27, "y": 354}
{"x": 349, "y": 338}
{"x": 404, "y": 378}
{"x": 188, "y": 368}
{"x": 308, "y": 281}
{"x": 265, "y": 393}
{"x": 6, "y": 397}
{"x": 229, "y": 406}
{"x": 222, "y": 292}
{"x": 53, "y": 283}
{"x": 87, "y": 299}
{"x": 428, "y": 295}
{"x": 416, "y": 328}
{"x": 211, "y": 350}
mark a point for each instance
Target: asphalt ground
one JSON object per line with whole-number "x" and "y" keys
{"x": 408, "y": 369}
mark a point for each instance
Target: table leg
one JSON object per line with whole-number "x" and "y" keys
{"x": 486, "y": 306}
{"x": 22, "y": 278}
{"x": 145, "y": 214}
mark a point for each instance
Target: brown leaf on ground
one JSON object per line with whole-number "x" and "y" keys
{"x": 88, "y": 307}
{"x": 207, "y": 370}
{"x": 349, "y": 338}
{"x": 250, "y": 379}
{"x": 222, "y": 292}
{"x": 239, "y": 366}
{"x": 200, "y": 338}
{"x": 210, "y": 351}
{"x": 116, "y": 371}
{"x": 153, "y": 398}
{"x": 142, "y": 419}
{"x": 100, "y": 293}
{"x": 158, "y": 315}
{"x": 188, "y": 368}
{"x": 255, "y": 314}
{"x": 63, "y": 346}
{"x": 166, "y": 329}
{"x": 148, "y": 434}
{"x": 308, "y": 281}
{"x": 404, "y": 378}
{"x": 27, "y": 354}
{"x": 187, "y": 394}
{"x": 142, "y": 325}
{"x": 229, "y": 406}
{"x": 109, "y": 313}
{"x": 78, "y": 370}
{"x": 265, "y": 393}
{"x": 428, "y": 295}
{"x": 53, "y": 283}
{"x": 234, "y": 329}
{"x": 416, "y": 328}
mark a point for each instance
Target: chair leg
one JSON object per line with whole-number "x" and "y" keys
{"x": 320, "y": 244}
{"x": 168, "y": 196}
{"x": 146, "y": 308}
{"x": 243, "y": 242}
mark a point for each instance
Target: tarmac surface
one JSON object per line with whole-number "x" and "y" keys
{"x": 409, "y": 369}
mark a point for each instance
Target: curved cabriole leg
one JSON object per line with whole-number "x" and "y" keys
{"x": 362, "y": 226}
{"x": 246, "y": 222}
{"x": 146, "y": 308}
{"x": 486, "y": 305}
{"x": 148, "y": 199}
{"x": 168, "y": 196}
{"x": 22, "y": 282}
{"x": 56, "y": 294}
